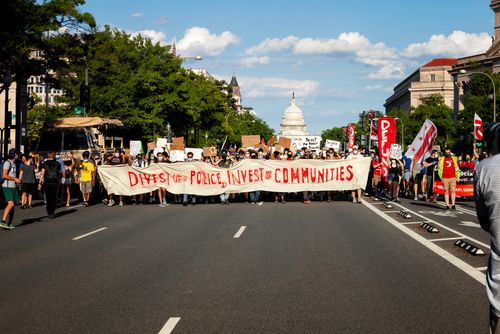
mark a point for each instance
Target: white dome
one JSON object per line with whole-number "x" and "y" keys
{"x": 293, "y": 123}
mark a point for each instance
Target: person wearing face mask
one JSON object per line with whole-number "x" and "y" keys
{"x": 430, "y": 165}
{"x": 224, "y": 161}
{"x": 467, "y": 162}
{"x": 115, "y": 159}
{"x": 449, "y": 172}
{"x": 87, "y": 177}
{"x": 395, "y": 173}
{"x": 189, "y": 158}
{"x": 28, "y": 182}
{"x": 353, "y": 156}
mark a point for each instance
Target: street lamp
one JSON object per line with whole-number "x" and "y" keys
{"x": 462, "y": 71}
{"x": 206, "y": 138}
{"x": 169, "y": 133}
{"x": 402, "y": 133}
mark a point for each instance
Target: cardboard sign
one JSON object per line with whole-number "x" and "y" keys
{"x": 272, "y": 141}
{"x": 250, "y": 141}
{"x": 197, "y": 152}
{"x": 151, "y": 145}
{"x": 209, "y": 151}
{"x": 135, "y": 147}
{"x": 178, "y": 144}
{"x": 285, "y": 142}
{"x": 278, "y": 148}
{"x": 396, "y": 152}
{"x": 309, "y": 142}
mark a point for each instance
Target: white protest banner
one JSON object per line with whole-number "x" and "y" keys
{"x": 309, "y": 142}
{"x": 200, "y": 178}
{"x": 396, "y": 152}
{"x": 332, "y": 144}
{"x": 197, "y": 152}
{"x": 135, "y": 147}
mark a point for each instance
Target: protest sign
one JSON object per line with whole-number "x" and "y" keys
{"x": 332, "y": 144}
{"x": 197, "y": 152}
{"x": 285, "y": 142}
{"x": 209, "y": 151}
{"x": 177, "y": 155}
{"x": 178, "y": 144}
{"x": 151, "y": 145}
{"x": 250, "y": 141}
{"x": 161, "y": 142}
{"x": 396, "y": 152}
{"x": 309, "y": 142}
{"x": 135, "y": 147}
{"x": 203, "y": 179}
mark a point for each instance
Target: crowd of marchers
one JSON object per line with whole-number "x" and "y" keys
{"x": 61, "y": 182}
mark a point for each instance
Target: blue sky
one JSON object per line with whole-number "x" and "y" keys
{"x": 339, "y": 57}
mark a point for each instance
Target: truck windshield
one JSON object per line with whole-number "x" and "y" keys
{"x": 50, "y": 141}
{"x": 75, "y": 140}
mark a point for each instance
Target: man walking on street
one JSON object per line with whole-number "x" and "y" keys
{"x": 487, "y": 198}
{"x": 49, "y": 178}
{"x": 9, "y": 189}
{"x": 449, "y": 172}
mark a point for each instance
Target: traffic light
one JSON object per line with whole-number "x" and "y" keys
{"x": 85, "y": 96}
{"x": 371, "y": 115}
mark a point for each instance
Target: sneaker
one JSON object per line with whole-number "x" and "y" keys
{"x": 283, "y": 202}
{"x": 359, "y": 200}
{"x": 453, "y": 207}
{"x": 447, "y": 207}
{"x": 184, "y": 203}
{"x": 396, "y": 200}
{"x": 354, "y": 200}
{"x": 121, "y": 203}
{"x": 105, "y": 201}
{"x": 85, "y": 204}
{"x": 415, "y": 198}
{"x": 259, "y": 203}
{"x": 111, "y": 203}
{"x": 4, "y": 226}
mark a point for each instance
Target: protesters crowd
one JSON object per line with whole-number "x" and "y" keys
{"x": 57, "y": 181}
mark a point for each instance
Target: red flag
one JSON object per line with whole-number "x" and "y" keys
{"x": 351, "y": 138}
{"x": 422, "y": 145}
{"x": 478, "y": 127}
{"x": 386, "y": 137}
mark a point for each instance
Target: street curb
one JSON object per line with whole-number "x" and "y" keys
{"x": 429, "y": 228}
{"x": 468, "y": 247}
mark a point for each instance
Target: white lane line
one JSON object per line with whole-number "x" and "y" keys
{"x": 411, "y": 223}
{"x": 465, "y": 267}
{"x": 391, "y": 211}
{"x": 459, "y": 208}
{"x": 482, "y": 268}
{"x": 169, "y": 325}
{"x": 445, "y": 239}
{"x": 445, "y": 227}
{"x": 90, "y": 233}
{"x": 240, "y": 232}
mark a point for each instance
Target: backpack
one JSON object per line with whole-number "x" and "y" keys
{"x": 52, "y": 170}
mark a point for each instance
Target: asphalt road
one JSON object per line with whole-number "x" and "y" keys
{"x": 321, "y": 268}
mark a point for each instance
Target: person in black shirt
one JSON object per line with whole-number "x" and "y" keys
{"x": 395, "y": 172}
{"x": 49, "y": 178}
{"x": 430, "y": 164}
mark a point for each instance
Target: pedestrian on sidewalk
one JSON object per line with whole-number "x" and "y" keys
{"x": 9, "y": 188}
{"x": 49, "y": 179}
{"x": 487, "y": 198}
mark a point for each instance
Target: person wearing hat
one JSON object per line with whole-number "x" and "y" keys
{"x": 487, "y": 198}
{"x": 9, "y": 189}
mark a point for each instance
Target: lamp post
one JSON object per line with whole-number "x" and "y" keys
{"x": 206, "y": 138}
{"x": 7, "y": 80}
{"x": 169, "y": 133}
{"x": 462, "y": 71}
{"x": 402, "y": 133}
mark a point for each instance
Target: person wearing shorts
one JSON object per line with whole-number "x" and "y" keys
{"x": 87, "y": 177}
{"x": 9, "y": 188}
{"x": 28, "y": 182}
{"x": 449, "y": 172}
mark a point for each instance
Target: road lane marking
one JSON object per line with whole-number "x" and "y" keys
{"x": 90, "y": 233}
{"x": 411, "y": 223}
{"x": 482, "y": 268}
{"x": 445, "y": 239}
{"x": 169, "y": 325}
{"x": 240, "y": 232}
{"x": 446, "y": 227}
{"x": 469, "y": 224}
{"x": 460, "y": 208}
{"x": 465, "y": 267}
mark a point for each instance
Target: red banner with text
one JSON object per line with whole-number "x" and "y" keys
{"x": 351, "y": 136}
{"x": 386, "y": 137}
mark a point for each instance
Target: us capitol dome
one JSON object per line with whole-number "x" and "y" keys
{"x": 293, "y": 123}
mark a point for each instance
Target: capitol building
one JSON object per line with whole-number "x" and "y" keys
{"x": 293, "y": 124}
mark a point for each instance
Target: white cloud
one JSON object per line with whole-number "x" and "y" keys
{"x": 137, "y": 15}
{"x": 276, "y": 87}
{"x": 373, "y": 87}
{"x": 153, "y": 35}
{"x": 457, "y": 44}
{"x": 198, "y": 40}
{"x": 393, "y": 70}
{"x": 254, "y": 60}
{"x": 161, "y": 21}
{"x": 273, "y": 45}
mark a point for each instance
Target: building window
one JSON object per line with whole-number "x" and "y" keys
{"x": 433, "y": 77}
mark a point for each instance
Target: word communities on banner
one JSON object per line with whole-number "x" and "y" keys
{"x": 199, "y": 178}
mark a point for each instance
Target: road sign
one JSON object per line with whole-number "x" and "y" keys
{"x": 79, "y": 110}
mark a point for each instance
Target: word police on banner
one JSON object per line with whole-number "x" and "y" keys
{"x": 199, "y": 178}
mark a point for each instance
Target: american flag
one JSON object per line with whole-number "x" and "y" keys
{"x": 173, "y": 50}
{"x": 478, "y": 127}
{"x": 422, "y": 145}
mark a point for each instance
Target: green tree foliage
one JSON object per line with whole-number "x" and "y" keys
{"x": 246, "y": 124}
{"x": 49, "y": 27}
{"x": 332, "y": 134}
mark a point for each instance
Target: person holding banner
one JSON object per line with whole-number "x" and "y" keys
{"x": 449, "y": 172}
{"x": 353, "y": 156}
{"x": 224, "y": 162}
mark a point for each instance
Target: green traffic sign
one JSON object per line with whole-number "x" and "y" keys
{"x": 79, "y": 110}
